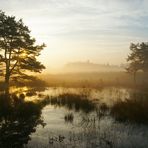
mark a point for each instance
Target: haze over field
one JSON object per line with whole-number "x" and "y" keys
{"x": 98, "y": 30}
{"x": 73, "y": 73}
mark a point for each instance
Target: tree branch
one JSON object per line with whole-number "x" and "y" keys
{"x": 13, "y": 67}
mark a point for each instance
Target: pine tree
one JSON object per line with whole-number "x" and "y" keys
{"x": 18, "y": 51}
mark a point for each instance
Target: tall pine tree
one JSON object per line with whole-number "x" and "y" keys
{"x": 18, "y": 51}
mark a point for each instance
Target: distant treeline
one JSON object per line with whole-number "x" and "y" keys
{"x": 92, "y": 67}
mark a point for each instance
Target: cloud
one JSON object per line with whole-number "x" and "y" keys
{"x": 81, "y": 16}
{"x": 96, "y": 23}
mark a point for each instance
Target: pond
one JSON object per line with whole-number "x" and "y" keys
{"x": 74, "y": 117}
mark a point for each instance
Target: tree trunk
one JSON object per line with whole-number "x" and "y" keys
{"x": 7, "y": 80}
{"x": 7, "y": 77}
{"x": 7, "y": 85}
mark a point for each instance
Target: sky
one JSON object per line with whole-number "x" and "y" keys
{"x": 79, "y": 30}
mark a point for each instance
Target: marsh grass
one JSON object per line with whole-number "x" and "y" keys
{"x": 69, "y": 117}
{"x": 71, "y": 101}
{"x": 22, "y": 118}
{"x": 134, "y": 109}
{"x": 97, "y": 80}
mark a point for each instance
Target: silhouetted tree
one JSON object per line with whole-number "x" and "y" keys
{"x": 143, "y": 47}
{"x": 18, "y": 52}
{"x": 138, "y": 58}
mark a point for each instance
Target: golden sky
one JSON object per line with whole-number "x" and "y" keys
{"x": 79, "y": 30}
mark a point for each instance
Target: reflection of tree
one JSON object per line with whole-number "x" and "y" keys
{"x": 18, "y": 119}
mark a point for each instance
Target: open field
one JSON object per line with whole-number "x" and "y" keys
{"x": 95, "y": 80}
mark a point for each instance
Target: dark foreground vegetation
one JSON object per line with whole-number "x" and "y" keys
{"x": 18, "y": 119}
{"x": 134, "y": 109}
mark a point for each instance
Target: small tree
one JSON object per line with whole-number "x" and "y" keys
{"x": 143, "y": 47}
{"x": 138, "y": 58}
{"x": 18, "y": 52}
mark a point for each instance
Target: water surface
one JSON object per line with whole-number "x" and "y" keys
{"x": 73, "y": 117}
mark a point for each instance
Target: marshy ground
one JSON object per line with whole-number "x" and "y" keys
{"x": 74, "y": 117}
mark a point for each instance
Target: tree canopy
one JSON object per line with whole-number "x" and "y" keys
{"x": 18, "y": 51}
{"x": 138, "y": 58}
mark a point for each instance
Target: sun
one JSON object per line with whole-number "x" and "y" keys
{"x": 23, "y": 54}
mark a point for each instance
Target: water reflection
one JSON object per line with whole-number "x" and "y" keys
{"x": 21, "y": 113}
{"x": 18, "y": 119}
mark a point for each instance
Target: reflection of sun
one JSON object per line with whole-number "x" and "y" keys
{"x": 17, "y": 89}
{"x": 25, "y": 88}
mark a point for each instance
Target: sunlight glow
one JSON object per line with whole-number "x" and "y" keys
{"x": 99, "y": 31}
